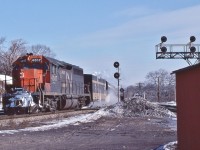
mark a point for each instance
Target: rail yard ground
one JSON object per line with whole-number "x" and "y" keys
{"x": 112, "y": 128}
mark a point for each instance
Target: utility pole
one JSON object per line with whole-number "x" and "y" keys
{"x": 158, "y": 89}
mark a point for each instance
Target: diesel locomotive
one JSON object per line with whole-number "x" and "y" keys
{"x": 46, "y": 84}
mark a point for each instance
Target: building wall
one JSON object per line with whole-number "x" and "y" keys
{"x": 188, "y": 108}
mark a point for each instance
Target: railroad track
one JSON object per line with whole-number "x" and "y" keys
{"x": 6, "y": 120}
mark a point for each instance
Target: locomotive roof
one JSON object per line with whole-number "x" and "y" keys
{"x": 60, "y": 63}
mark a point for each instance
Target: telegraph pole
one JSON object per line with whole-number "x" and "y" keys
{"x": 158, "y": 89}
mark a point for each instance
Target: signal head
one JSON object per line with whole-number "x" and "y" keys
{"x": 163, "y": 49}
{"x": 116, "y": 75}
{"x": 163, "y": 39}
{"x": 121, "y": 90}
{"x": 192, "y": 49}
{"x": 116, "y": 64}
{"x": 192, "y": 38}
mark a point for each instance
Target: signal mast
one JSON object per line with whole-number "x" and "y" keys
{"x": 117, "y": 75}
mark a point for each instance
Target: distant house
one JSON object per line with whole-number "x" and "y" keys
{"x": 188, "y": 107}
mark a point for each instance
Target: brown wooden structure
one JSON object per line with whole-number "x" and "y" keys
{"x": 188, "y": 107}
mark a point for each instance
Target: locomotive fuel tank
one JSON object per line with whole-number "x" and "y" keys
{"x": 69, "y": 102}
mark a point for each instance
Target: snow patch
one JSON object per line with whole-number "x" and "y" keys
{"x": 76, "y": 120}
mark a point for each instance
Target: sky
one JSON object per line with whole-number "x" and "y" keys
{"x": 93, "y": 34}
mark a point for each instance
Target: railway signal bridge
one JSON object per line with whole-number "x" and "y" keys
{"x": 187, "y": 51}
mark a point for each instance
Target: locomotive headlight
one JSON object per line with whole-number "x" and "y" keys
{"x": 19, "y": 100}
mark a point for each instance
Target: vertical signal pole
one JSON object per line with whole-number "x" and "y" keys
{"x": 117, "y": 75}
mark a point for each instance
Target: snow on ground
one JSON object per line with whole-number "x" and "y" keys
{"x": 76, "y": 120}
{"x": 169, "y": 146}
{"x": 172, "y": 103}
{"x": 130, "y": 108}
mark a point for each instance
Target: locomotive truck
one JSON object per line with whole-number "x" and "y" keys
{"x": 46, "y": 84}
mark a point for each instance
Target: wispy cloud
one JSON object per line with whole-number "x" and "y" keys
{"x": 178, "y": 22}
{"x": 124, "y": 40}
{"x": 138, "y": 11}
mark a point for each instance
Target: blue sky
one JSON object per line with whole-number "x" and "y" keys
{"x": 93, "y": 34}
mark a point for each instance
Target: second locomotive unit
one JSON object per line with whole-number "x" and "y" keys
{"x": 50, "y": 85}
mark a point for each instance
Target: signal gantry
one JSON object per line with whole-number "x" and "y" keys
{"x": 178, "y": 51}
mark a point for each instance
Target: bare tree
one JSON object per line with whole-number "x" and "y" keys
{"x": 130, "y": 91}
{"x": 42, "y": 50}
{"x": 16, "y": 49}
{"x": 161, "y": 85}
{"x": 2, "y": 40}
{"x": 135, "y": 90}
{"x": 8, "y": 56}
{"x": 155, "y": 76}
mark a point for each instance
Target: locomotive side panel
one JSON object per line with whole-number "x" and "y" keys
{"x": 65, "y": 77}
{"x": 66, "y": 81}
{"x": 78, "y": 81}
{"x": 54, "y": 79}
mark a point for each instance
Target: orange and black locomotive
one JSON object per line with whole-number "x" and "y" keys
{"x": 52, "y": 85}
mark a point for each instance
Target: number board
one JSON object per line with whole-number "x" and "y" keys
{"x": 36, "y": 60}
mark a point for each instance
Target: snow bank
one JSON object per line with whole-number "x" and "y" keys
{"x": 139, "y": 107}
{"x": 169, "y": 146}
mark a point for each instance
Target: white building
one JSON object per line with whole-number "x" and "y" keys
{"x": 7, "y": 78}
